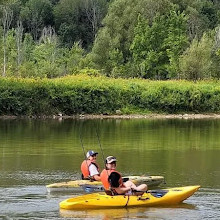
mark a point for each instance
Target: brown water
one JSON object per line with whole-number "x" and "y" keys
{"x": 34, "y": 153}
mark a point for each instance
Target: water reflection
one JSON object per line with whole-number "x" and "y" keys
{"x": 122, "y": 213}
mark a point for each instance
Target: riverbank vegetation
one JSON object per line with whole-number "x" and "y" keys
{"x": 83, "y": 94}
{"x": 103, "y": 56}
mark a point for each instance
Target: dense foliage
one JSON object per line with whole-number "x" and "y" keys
{"x": 163, "y": 39}
{"x": 87, "y": 94}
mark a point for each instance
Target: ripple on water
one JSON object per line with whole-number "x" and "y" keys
{"x": 30, "y": 201}
{"x": 207, "y": 201}
{"x": 32, "y": 177}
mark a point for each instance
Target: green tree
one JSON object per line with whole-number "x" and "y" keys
{"x": 209, "y": 14}
{"x": 147, "y": 48}
{"x": 15, "y": 6}
{"x": 28, "y": 46}
{"x": 19, "y": 37}
{"x": 118, "y": 32}
{"x": 27, "y": 65}
{"x": 11, "y": 53}
{"x": 6, "y": 19}
{"x": 156, "y": 48}
{"x": 77, "y": 20}
{"x": 35, "y": 15}
{"x": 47, "y": 54}
{"x": 216, "y": 54}
{"x": 74, "y": 58}
{"x": 176, "y": 41}
{"x": 70, "y": 23}
{"x": 196, "y": 62}
{"x": 95, "y": 11}
{"x": 203, "y": 15}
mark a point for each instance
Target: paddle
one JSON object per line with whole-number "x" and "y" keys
{"x": 158, "y": 193}
{"x": 89, "y": 188}
{"x": 125, "y": 179}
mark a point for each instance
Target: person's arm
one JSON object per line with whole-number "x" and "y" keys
{"x": 96, "y": 177}
{"x": 122, "y": 190}
{"x": 94, "y": 173}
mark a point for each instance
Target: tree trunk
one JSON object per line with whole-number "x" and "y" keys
{"x": 93, "y": 14}
{"x": 7, "y": 15}
{"x": 19, "y": 35}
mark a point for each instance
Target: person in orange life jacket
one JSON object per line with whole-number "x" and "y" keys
{"x": 112, "y": 180}
{"x": 89, "y": 167}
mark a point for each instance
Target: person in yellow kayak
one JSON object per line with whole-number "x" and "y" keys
{"x": 113, "y": 182}
{"x": 89, "y": 167}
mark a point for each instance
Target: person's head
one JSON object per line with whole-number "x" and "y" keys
{"x": 113, "y": 179}
{"x": 110, "y": 162}
{"x": 91, "y": 155}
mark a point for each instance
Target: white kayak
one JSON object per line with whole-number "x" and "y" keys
{"x": 77, "y": 185}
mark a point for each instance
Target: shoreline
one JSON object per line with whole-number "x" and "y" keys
{"x": 117, "y": 116}
{"x": 155, "y": 116}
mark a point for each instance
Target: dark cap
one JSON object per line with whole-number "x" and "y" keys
{"x": 110, "y": 159}
{"x": 90, "y": 153}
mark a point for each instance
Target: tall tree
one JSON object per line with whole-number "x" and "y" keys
{"x": 196, "y": 62}
{"x": 7, "y": 16}
{"x": 95, "y": 10}
{"x": 74, "y": 58}
{"x": 216, "y": 54}
{"x": 47, "y": 55}
{"x": 35, "y": 15}
{"x": 147, "y": 49}
{"x": 156, "y": 48}
{"x": 176, "y": 41}
{"x": 77, "y": 20}
{"x": 203, "y": 15}
{"x": 28, "y": 46}
{"x": 27, "y": 67}
{"x": 11, "y": 48}
{"x": 114, "y": 39}
{"x": 19, "y": 37}
{"x": 15, "y": 6}
{"x": 70, "y": 23}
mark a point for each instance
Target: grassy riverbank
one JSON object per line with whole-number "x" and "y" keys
{"x": 82, "y": 94}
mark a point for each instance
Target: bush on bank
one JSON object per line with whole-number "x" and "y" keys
{"x": 101, "y": 95}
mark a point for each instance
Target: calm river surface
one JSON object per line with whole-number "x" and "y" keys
{"x": 34, "y": 153}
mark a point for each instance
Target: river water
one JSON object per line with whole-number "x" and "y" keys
{"x": 34, "y": 153}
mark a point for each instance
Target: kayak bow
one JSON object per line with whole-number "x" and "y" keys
{"x": 161, "y": 197}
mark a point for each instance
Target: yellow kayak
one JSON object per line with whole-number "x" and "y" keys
{"x": 161, "y": 197}
{"x": 76, "y": 184}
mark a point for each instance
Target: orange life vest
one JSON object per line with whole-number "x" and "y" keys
{"x": 85, "y": 168}
{"x": 104, "y": 178}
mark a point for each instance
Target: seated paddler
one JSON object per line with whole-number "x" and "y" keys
{"x": 89, "y": 167}
{"x": 113, "y": 182}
